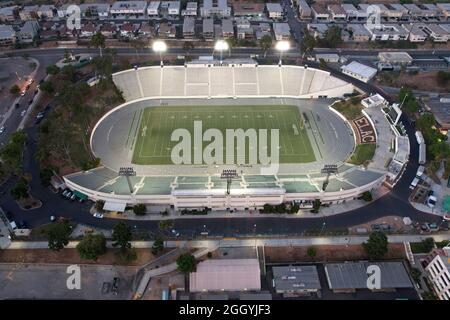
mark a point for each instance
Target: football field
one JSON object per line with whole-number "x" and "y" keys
{"x": 153, "y": 145}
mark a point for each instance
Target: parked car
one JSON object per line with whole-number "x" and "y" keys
{"x": 52, "y": 218}
{"x": 72, "y": 197}
{"x": 2, "y": 129}
{"x": 23, "y": 113}
{"x": 175, "y": 233}
{"x": 98, "y": 215}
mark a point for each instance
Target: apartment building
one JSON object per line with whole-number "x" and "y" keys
{"x": 95, "y": 10}
{"x": 304, "y": 10}
{"x": 358, "y": 32}
{"x": 317, "y": 30}
{"x": 387, "y": 32}
{"x": 88, "y": 30}
{"x": 28, "y": 31}
{"x": 337, "y": 13}
{"x": 227, "y": 29}
{"x": 29, "y": 13}
{"x": 7, "y": 35}
{"x": 402, "y": 11}
{"x": 438, "y": 271}
{"x": 208, "y": 29}
{"x": 153, "y": 8}
{"x": 445, "y": 9}
{"x": 274, "y": 10}
{"x": 244, "y": 29}
{"x": 8, "y": 14}
{"x": 191, "y": 10}
{"x": 282, "y": 31}
{"x": 129, "y": 8}
{"x": 167, "y": 31}
{"x": 354, "y": 14}
{"x": 320, "y": 13}
{"x": 416, "y": 33}
{"x": 262, "y": 30}
{"x": 170, "y": 8}
{"x": 189, "y": 28}
{"x": 248, "y": 9}
{"x": 46, "y": 11}
{"x": 436, "y": 33}
{"x": 217, "y": 8}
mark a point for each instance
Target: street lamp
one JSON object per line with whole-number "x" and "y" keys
{"x": 282, "y": 46}
{"x": 159, "y": 47}
{"x": 221, "y": 46}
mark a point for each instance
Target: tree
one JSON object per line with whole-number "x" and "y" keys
{"x": 52, "y": 69}
{"x": 20, "y": 190}
{"x": 322, "y": 64}
{"x": 122, "y": 236}
{"x": 92, "y": 246}
{"x": 311, "y": 252}
{"x": 47, "y": 86}
{"x": 58, "y": 235}
{"x": 165, "y": 225}
{"x": 158, "y": 246}
{"x": 265, "y": 43}
{"x": 139, "y": 209}
{"x": 316, "y": 205}
{"x": 188, "y": 46}
{"x": 70, "y": 72}
{"x": 377, "y": 245}
{"x": 308, "y": 43}
{"x": 366, "y": 196}
{"x": 14, "y": 89}
{"x": 98, "y": 41}
{"x": 186, "y": 263}
{"x": 443, "y": 77}
{"x": 99, "y": 205}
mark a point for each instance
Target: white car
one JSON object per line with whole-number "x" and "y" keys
{"x": 2, "y": 129}
{"x": 23, "y": 113}
{"x": 98, "y": 215}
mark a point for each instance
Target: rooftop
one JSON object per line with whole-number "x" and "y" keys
{"x": 360, "y": 69}
{"x": 296, "y": 278}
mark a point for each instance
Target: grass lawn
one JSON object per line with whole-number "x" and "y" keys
{"x": 362, "y": 153}
{"x": 348, "y": 110}
{"x": 153, "y": 145}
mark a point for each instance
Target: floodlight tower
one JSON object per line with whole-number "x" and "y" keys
{"x": 282, "y": 46}
{"x": 221, "y": 46}
{"x": 127, "y": 172}
{"x": 229, "y": 175}
{"x": 160, "y": 47}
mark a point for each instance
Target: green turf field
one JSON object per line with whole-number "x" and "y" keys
{"x": 153, "y": 145}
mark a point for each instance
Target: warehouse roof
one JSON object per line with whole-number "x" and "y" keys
{"x": 295, "y": 278}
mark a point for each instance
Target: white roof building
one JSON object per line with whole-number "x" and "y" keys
{"x": 220, "y": 8}
{"x": 274, "y": 10}
{"x": 226, "y": 275}
{"x": 171, "y": 7}
{"x": 153, "y": 8}
{"x": 191, "y": 9}
{"x": 282, "y": 31}
{"x": 359, "y": 71}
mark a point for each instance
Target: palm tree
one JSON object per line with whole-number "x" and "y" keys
{"x": 98, "y": 41}
{"x": 265, "y": 43}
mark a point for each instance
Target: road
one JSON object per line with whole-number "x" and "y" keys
{"x": 394, "y": 203}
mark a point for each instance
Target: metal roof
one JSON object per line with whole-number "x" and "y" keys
{"x": 296, "y": 278}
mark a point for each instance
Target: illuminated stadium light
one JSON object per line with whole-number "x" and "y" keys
{"x": 282, "y": 46}
{"x": 221, "y": 46}
{"x": 159, "y": 47}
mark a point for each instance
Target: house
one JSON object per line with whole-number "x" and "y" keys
{"x": 304, "y": 10}
{"x": 400, "y": 8}
{"x": 337, "y": 12}
{"x": 262, "y": 30}
{"x": 440, "y": 107}
{"x": 128, "y": 30}
{"x": 208, "y": 29}
{"x": 217, "y": 8}
{"x": 358, "y": 32}
{"x": 438, "y": 271}
{"x": 108, "y": 30}
{"x": 435, "y": 32}
{"x": 295, "y": 280}
{"x": 248, "y": 9}
{"x": 28, "y": 31}
{"x": 191, "y": 10}
{"x": 167, "y": 31}
{"x": 416, "y": 33}
{"x": 147, "y": 30}
{"x": 8, "y": 14}
{"x": 46, "y": 11}
{"x": 227, "y": 29}
{"x": 29, "y": 13}
{"x": 317, "y": 30}
{"x": 7, "y": 35}
{"x": 282, "y": 31}
{"x": 136, "y": 9}
{"x": 320, "y": 13}
{"x": 387, "y": 32}
{"x": 244, "y": 29}
{"x": 88, "y": 30}
{"x": 153, "y": 8}
{"x": 189, "y": 28}
{"x": 359, "y": 71}
{"x": 219, "y": 275}
{"x": 95, "y": 10}
{"x": 431, "y": 11}
{"x": 394, "y": 13}
{"x": 274, "y": 10}
{"x": 171, "y": 9}
{"x": 353, "y": 13}
{"x": 414, "y": 11}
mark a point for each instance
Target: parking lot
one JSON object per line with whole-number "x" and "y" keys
{"x": 35, "y": 281}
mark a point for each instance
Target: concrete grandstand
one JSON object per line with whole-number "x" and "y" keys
{"x": 246, "y": 83}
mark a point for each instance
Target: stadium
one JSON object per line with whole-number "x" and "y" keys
{"x": 135, "y": 145}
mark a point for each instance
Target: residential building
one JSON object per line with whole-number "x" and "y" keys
{"x": 438, "y": 271}
{"x": 436, "y": 33}
{"x": 153, "y": 8}
{"x": 320, "y": 13}
{"x": 147, "y": 30}
{"x": 416, "y": 33}
{"x": 128, "y": 30}
{"x": 29, "y": 13}
{"x": 167, "y": 31}
{"x": 358, "y": 32}
{"x": 445, "y": 9}
{"x": 188, "y": 28}
{"x": 170, "y": 9}
{"x": 191, "y": 10}
{"x": 208, "y": 29}
{"x": 337, "y": 13}
{"x": 248, "y": 9}
{"x": 395, "y": 58}
{"x": 400, "y": 8}
{"x": 130, "y": 9}
{"x": 440, "y": 107}
{"x": 108, "y": 30}
{"x": 244, "y": 29}
{"x": 414, "y": 11}
{"x": 218, "y": 275}
{"x": 353, "y": 13}
{"x": 95, "y": 10}
{"x": 28, "y": 31}
{"x": 317, "y": 30}
{"x": 352, "y": 276}
{"x": 7, "y": 35}
{"x": 282, "y": 31}
{"x": 48, "y": 35}
{"x": 387, "y": 32}
{"x": 62, "y": 11}
{"x": 432, "y": 11}
{"x": 8, "y": 14}
{"x": 359, "y": 71}
{"x": 227, "y": 28}
{"x": 215, "y": 8}
{"x": 46, "y": 11}
{"x": 295, "y": 280}
{"x": 394, "y": 13}
{"x": 274, "y": 10}
{"x": 88, "y": 30}
{"x": 262, "y": 30}
{"x": 304, "y": 10}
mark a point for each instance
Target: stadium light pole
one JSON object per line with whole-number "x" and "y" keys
{"x": 282, "y": 46}
{"x": 159, "y": 47}
{"x": 221, "y": 46}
